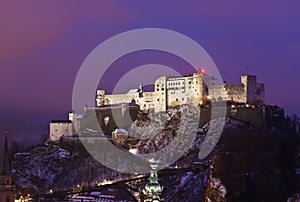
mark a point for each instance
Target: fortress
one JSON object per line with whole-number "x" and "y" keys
{"x": 173, "y": 91}
{"x": 168, "y": 92}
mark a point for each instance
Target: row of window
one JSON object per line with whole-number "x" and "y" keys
{"x": 175, "y": 99}
{"x": 175, "y": 83}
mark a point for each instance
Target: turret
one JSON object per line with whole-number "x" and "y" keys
{"x": 140, "y": 90}
{"x": 141, "y": 87}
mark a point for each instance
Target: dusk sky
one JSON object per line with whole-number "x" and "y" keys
{"x": 43, "y": 44}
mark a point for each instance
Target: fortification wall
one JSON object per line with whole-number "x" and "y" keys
{"x": 59, "y": 129}
{"x": 255, "y": 117}
{"x": 110, "y": 118}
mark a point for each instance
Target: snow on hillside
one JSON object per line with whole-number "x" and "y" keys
{"x": 52, "y": 167}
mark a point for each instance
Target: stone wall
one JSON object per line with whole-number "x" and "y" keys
{"x": 168, "y": 92}
{"x": 109, "y": 118}
{"x": 254, "y": 116}
{"x": 60, "y": 128}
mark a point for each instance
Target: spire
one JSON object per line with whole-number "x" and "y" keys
{"x": 141, "y": 87}
{"x": 153, "y": 189}
{"x": 5, "y": 168}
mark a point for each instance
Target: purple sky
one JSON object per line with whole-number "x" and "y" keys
{"x": 43, "y": 44}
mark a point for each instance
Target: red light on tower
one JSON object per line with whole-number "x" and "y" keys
{"x": 202, "y": 70}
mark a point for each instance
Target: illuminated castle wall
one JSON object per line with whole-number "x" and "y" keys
{"x": 248, "y": 91}
{"x": 174, "y": 91}
{"x": 168, "y": 92}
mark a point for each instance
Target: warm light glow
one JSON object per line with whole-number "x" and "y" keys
{"x": 105, "y": 182}
{"x": 233, "y": 106}
{"x": 133, "y": 151}
{"x": 202, "y": 71}
{"x": 208, "y": 97}
{"x": 247, "y": 105}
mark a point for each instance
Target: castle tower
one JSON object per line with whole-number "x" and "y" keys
{"x": 7, "y": 187}
{"x": 249, "y": 82}
{"x": 153, "y": 189}
{"x": 160, "y": 98}
{"x": 253, "y": 92}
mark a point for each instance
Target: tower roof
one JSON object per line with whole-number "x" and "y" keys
{"x": 5, "y": 167}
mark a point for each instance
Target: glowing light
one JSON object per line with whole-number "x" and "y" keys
{"x": 233, "y": 106}
{"x": 133, "y": 151}
{"x": 247, "y": 105}
{"x": 105, "y": 182}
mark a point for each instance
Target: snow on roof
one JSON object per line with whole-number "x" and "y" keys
{"x": 133, "y": 91}
{"x": 95, "y": 193}
{"x": 120, "y": 130}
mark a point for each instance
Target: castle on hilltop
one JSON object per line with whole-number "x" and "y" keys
{"x": 197, "y": 89}
{"x": 173, "y": 91}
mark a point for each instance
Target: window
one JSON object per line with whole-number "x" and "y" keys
{"x": 176, "y": 99}
{"x": 157, "y": 99}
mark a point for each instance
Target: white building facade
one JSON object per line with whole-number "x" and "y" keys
{"x": 248, "y": 91}
{"x": 168, "y": 92}
{"x": 173, "y": 91}
{"x": 60, "y": 129}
